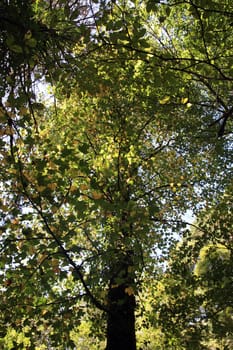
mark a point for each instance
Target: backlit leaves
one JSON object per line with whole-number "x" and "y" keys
{"x": 104, "y": 174}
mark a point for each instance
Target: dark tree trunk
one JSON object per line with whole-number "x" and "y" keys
{"x": 121, "y": 298}
{"x": 121, "y": 318}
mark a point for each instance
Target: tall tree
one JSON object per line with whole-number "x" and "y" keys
{"x": 92, "y": 189}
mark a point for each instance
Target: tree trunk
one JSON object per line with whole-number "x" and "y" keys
{"x": 121, "y": 318}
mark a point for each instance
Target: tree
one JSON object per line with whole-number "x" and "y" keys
{"x": 197, "y": 290}
{"x": 92, "y": 189}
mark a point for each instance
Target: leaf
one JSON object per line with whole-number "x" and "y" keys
{"x": 96, "y": 195}
{"x": 28, "y": 35}
{"x": 83, "y": 187}
{"x": 52, "y": 186}
{"x": 184, "y": 100}
{"x": 152, "y": 5}
{"x": 16, "y": 48}
{"x": 41, "y": 188}
{"x": 32, "y": 42}
{"x": 129, "y": 291}
{"x": 164, "y": 100}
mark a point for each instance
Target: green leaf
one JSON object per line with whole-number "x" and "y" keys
{"x": 152, "y": 5}
{"x": 32, "y": 42}
{"x": 16, "y": 48}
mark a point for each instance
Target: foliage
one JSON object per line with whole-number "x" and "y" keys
{"x": 95, "y": 184}
{"x": 199, "y": 281}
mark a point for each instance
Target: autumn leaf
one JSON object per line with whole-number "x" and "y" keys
{"x": 129, "y": 291}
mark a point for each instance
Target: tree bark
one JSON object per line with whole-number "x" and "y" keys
{"x": 121, "y": 318}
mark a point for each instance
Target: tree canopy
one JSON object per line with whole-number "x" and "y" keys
{"x": 116, "y": 119}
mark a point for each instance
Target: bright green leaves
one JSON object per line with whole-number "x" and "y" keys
{"x": 14, "y": 338}
{"x": 211, "y": 262}
{"x": 202, "y": 263}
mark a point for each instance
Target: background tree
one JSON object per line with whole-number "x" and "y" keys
{"x": 197, "y": 285}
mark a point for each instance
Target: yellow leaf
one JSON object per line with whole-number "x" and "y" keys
{"x": 54, "y": 209}
{"x": 52, "y": 186}
{"x": 55, "y": 262}
{"x": 44, "y": 133}
{"x": 28, "y": 35}
{"x": 96, "y": 195}
{"x": 14, "y": 222}
{"x": 2, "y": 132}
{"x": 3, "y": 207}
{"x": 41, "y": 258}
{"x": 41, "y": 188}
{"x": 43, "y": 312}
{"x": 32, "y": 250}
{"x": 73, "y": 188}
{"x": 20, "y": 244}
{"x": 184, "y": 100}
{"x": 83, "y": 187}
{"x": 164, "y": 100}
{"x": 2, "y": 112}
{"x": 23, "y": 111}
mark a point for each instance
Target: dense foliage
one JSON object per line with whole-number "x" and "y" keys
{"x": 116, "y": 120}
